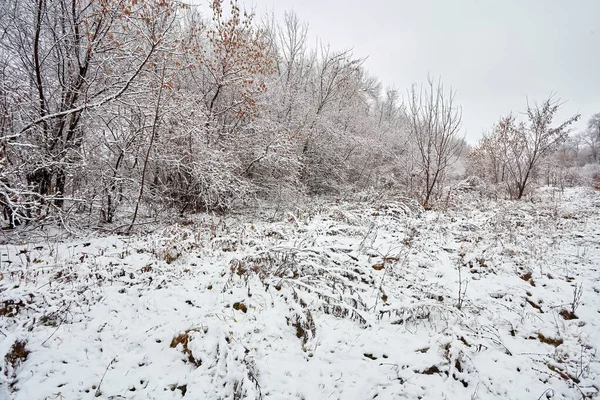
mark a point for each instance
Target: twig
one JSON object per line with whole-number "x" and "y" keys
{"x": 98, "y": 393}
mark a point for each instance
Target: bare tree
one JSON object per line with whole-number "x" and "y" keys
{"x": 434, "y": 122}
{"x": 524, "y": 145}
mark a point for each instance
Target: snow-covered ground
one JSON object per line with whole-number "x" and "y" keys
{"x": 335, "y": 301}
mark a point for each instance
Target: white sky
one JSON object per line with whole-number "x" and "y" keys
{"x": 493, "y": 52}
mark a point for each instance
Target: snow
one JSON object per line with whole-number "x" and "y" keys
{"x": 334, "y": 301}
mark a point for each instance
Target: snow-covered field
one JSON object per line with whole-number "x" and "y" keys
{"x": 335, "y": 301}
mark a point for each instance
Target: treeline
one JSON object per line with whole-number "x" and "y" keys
{"x": 118, "y": 108}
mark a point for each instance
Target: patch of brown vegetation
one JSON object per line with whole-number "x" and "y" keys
{"x": 17, "y": 354}
{"x": 184, "y": 340}
{"x": 527, "y": 277}
{"x": 239, "y": 306}
{"x": 564, "y": 375}
{"x": 568, "y": 315}
{"x": 534, "y": 305}
{"x": 458, "y": 365}
{"x": 549, "y": 340}
{"x": 51, "y": 319}
{"x": 11, "y": 307}
{"x": 299, "y": 330}
{"x": 169, "y": 258}
{"x": 181, "y": 388}
{"x": 305, "y": 327}
{"x": 430, "y": 371}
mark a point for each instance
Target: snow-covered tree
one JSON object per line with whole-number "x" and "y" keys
{"x": 434, "y": 122}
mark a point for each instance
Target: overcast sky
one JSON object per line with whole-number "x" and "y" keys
{"x": 493, "y": 52}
